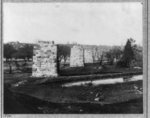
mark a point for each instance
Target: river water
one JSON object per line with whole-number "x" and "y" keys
{"x": 106, "y": 81}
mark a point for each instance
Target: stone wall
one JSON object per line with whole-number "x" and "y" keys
{"x": 88, "y": 56}
{"x": 96, "y": 55}
{"x": 45, "y": 59}
{"x": 76, "y": 56}
{"x": 80, "y": 55}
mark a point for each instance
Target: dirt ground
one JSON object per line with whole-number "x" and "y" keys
{"x": 23, "y": 104}
{"x": 53, "y": 98}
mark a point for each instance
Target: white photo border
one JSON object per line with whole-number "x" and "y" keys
{"x": 146, "y": 65}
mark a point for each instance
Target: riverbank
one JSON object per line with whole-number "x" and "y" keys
{"x": 48, "y": 95}
{"x": 25, "y": 104}
{"x": 117, "y": 98}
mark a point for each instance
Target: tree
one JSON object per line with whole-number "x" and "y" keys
{"x": 138, "y": 53}
{"x": 9, "y": 50}
{"x": 62, "y": 53}
{"x": 114, "y": 53}
{"x": 128, "y": 54}
{"x": 27, "y": 50}
{"x": 24, "y": 52}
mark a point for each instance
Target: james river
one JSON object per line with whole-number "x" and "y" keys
{"x": 106, "y": 81}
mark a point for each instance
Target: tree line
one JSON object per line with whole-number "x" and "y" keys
{"x": 125, "y": 57}
{"x": 25, "y": 52}
{"x": 131, "y": 55}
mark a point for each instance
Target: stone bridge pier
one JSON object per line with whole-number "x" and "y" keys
{"x": 45, "y": 59}
{"x": 77, "y": 56}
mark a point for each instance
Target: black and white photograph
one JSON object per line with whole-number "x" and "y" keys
{"x": 73, "y": 58}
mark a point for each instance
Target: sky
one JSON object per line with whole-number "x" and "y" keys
{"x": 84, "y": 23}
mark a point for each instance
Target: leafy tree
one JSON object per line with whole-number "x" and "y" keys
{"x": 138, "y": 55}
{"x": 27, "y": 51}
{"x": 128, "y": 54}
{"x": 24, "y": 52}
{"x": 62, "y": 53}
{"x": 9, "y": 50}
{"x": 115, "y": 52}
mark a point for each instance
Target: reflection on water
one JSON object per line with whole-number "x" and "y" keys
{"x": 106, "y": 81}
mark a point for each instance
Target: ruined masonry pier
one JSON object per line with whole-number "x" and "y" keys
{"x": 77, "y": 56}
{"x": 45, "y": 59}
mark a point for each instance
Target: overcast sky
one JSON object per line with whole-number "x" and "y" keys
{"x": 84, "y": 23}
